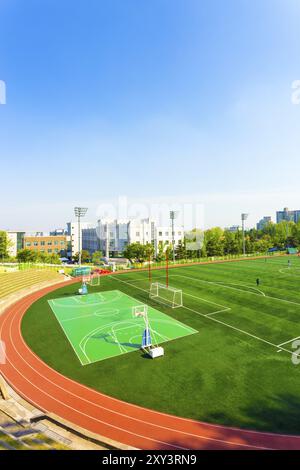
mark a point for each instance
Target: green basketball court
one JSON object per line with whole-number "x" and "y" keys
{"x": 101, "y": 325}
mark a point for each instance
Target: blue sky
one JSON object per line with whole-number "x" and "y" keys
{"x": 177, "y": 99}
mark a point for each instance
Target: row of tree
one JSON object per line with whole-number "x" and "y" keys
{"x": 211, "y": 242}
{"x": 219, "y": 242}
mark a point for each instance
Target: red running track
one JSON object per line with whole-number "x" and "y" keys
{"x": 123, "y": 422}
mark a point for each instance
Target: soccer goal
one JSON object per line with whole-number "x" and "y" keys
{"x": 166, "y": 295}
{"x": 91, "y": 280}
{"x": 95, "y": 280}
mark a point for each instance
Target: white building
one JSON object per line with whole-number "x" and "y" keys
{"x": 141, "y": 231}
{"x": 112, "y": 236}
{"x": 164, "y": 237}
{"x": 115, "y": 235}
{"x": 88, "y": 237}
{"x": 15, "y": 239}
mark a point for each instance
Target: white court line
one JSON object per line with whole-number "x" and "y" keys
{"x": 73, "y": 347}
{"x": 218, "y": 311}
{"x": 224, "y": 308}
{"x": 241, "y": 285}
{"x": 34, "y": 385}
{"x": 289, "y": 341}
{"x": 86, "y": 338}
{"x": 217, "y": 321}
{"x": 234, "y": 288}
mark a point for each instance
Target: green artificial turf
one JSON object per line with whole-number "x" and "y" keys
{"x": 100, "y": 325}
{"x": 231, "y": 372}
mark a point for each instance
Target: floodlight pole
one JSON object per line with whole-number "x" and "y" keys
{"x": 172, "y": 217}
{"x": 167, "y": 268}
{"x": 244, "y": 217}
{"x": 79, "y": 212}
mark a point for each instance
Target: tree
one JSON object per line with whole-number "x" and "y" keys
{"x": 85, "y": 256}
{"x": 4, "y": 242}
{"x": 161, "y": 252}
{"x": 53, "y": 258}
{"x": 27, "y": 256}
{"x": 231, "y": 243}
{"x": 214, "y": 241}
{"x": 149, "y": 251}
{"x": 180, "y": 250}
{"x": 96, "y": 257}
{"x": 136, "y": 252}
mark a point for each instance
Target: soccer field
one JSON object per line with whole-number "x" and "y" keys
{"x": 101, "y": 325}
{"x": 236, "y": 370}
{"x": 269, "y": 313}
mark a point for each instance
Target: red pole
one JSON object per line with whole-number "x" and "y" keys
{"x": 167, "y": 268}
{"x": 150, "y": 268}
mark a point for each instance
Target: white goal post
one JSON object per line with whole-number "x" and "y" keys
{"x": 170, "y": 296}
{"x": 91, "y": 279}
{"x": 95, "y": 280}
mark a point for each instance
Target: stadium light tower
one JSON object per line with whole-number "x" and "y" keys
{"x": 244, "y": 217}
{"x": 173, "y": 216}
{"x": 79, "y": 212}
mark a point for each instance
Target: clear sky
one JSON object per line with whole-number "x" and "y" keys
{"x": 148, "y": 99}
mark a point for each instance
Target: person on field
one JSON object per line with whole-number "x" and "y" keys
{"x": 257, "y": 281}
{"x": 289, "y": 263}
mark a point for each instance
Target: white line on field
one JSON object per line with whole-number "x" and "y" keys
{"x": 234, "y": 288}
{"x": 289, "y": 341}
{"x": 216, "y": 320}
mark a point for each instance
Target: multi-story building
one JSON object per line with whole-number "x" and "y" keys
{"x": 164, "y": 237}
{"x": 48, "y": 244}
{"x": 58, "y": 231}
{"x": 289, "y": 216}
{"x": 141, "y": 231}
{"x": 263, "y": 222}
{"x": 233, "y": 228}
{"x": 90, "y": 239}
{"x": 87, "y": 237}
{"x": 115, "y": 235}
{"x": 16, "y": 241}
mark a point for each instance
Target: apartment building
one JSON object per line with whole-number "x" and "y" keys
{"x": 286, "y": 214}
{"x": 263, "y": 222}
{"x": 48, "y": 244}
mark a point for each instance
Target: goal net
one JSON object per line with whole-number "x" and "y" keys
{"x": 86, "y": 279}
{"x": 92, "y": 280}
{"x": 95, "y": 280}
{"x": 169, "y": 296}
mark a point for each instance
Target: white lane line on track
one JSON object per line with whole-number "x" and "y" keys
{"x": 140, "y": 408}
{"x": 153, "y": 412}
{"x": 77, "y": 396}
{"x": 230, "y": 443}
